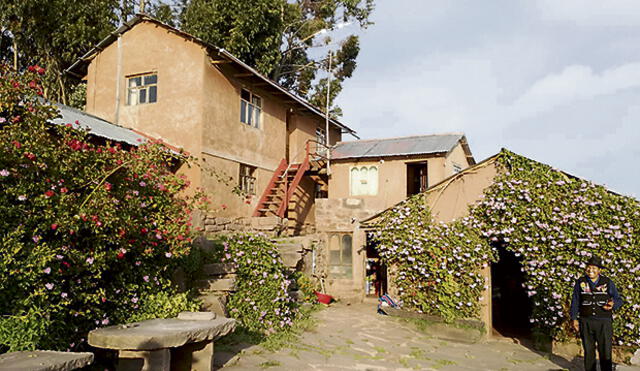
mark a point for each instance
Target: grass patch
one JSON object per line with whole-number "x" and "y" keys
{"x": 270, "y": 363}
{"x": 274, "y": 342}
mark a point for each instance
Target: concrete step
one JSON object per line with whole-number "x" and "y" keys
{"x": 215, "y": 303}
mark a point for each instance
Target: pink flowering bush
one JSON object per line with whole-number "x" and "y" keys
{"x": 436, "y": 266}
{"x": 261, "y": 302}
{"x": 89, "y": 231}
{"x": 552, "y": 221}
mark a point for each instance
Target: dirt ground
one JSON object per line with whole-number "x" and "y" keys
{"x": 355, "y": 337}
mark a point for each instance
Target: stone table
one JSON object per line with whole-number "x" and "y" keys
{"x": 164, "y": 344}
{"x": 44, "y": 360}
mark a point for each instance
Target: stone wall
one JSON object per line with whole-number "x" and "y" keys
{"x": 341, "y": 214}
{"x": 272, "y": 226}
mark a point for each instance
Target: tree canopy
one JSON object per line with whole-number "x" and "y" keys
{"x": 277, "y": 37}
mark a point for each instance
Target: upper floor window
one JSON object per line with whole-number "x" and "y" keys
{"x": 321, "y": 142}
{"x": 456, "y": 168}
{"x": 142, "y": 89}
{"x": 247, "y": 182}
{"x": 364, "y": 180}
{"x": 250, "y": 108}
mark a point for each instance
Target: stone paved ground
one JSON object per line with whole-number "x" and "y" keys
{"x": 356, "y": 338}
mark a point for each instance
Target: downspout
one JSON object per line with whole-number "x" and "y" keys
{"x": 118, "y": 74}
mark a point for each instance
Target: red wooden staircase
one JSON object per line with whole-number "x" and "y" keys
{"x": 281, "y": 187}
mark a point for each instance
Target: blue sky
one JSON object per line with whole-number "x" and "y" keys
{"x": 556, "y": 81}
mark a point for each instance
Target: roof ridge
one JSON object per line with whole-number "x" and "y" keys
{"x": 405, "y": 137}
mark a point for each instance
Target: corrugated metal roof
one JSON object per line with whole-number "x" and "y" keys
{"x": 97, "y": 126}
{"x": 415, "y": 145}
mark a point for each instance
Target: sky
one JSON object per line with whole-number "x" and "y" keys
{"x": 556, "y": 81}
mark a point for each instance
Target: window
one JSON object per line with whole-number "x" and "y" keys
{"x": 247, "y": 179}
{"x": 142, "y": 89}
{"x": 250, "y": 108}
{"x": 321, "y": 139}
{"x": 456, "y": 168}
{"x": 364, "y": 181}
{"x": 340, "y": 257}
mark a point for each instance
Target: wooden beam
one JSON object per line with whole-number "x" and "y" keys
{"x": 219, "y": 61}
{"x": 242, "y": 74}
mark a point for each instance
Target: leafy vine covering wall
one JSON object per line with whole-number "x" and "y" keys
{"x": 552, "y": 221}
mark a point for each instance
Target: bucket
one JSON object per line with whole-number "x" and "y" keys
{"x": 323, "y": 298}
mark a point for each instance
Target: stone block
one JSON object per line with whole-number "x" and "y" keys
{"x": 216, "y": 304}
{"x": 218, "y": 269}
{"x": 353, "y": 203}
{"x": 145, "y": 360}
{"x": 222, "y": 284}
{"x": 44, "y": 360}
{"x": 213, "y": 228}
{"x": 290, "y": 259}
{"x": 196, "y": 316}
{"x": 193, "y": 357}
{"x": 222, "y": 221}
{"x": 635, "y": 359}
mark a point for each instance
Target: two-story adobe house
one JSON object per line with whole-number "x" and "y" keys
{"x": 243, "y": 127}
{"x": 253, "y": 137}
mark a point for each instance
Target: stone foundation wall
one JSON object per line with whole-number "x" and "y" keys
{"x": 272, "y": 226}
{"x": 341, "y": 214}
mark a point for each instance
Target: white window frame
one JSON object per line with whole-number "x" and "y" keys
{"x": 250, "y": 108}
{"x": 362, "y": 182}
{"x": 141, "y": 88}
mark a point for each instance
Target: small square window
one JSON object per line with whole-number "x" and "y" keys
{"x": 250, "y": 108}
{"x": 142, "y": 89}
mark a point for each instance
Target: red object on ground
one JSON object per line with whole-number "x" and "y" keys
{"x": 324, "y": 298}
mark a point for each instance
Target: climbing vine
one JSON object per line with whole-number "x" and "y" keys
{"x": 553, "y": 221}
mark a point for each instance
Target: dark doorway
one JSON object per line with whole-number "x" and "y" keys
{"x": 376, "y": 272}
{"x": 417, "y": 178}
{"x": 511, "y": 307}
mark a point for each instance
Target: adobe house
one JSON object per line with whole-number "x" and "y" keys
{"x": 243, "y": 127}
{"x": 505, "y": 306}
{"x": 368, "y": 176}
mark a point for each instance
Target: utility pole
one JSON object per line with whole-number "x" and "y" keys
{"x": 326, "y": 117}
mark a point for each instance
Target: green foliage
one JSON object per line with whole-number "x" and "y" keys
{"x": 277, "y": 38}
{"x": 437, "y": 265}
{"x": 164, "y": 304}
{"x": 261, "y": 302}
{"x": 89, "y": 232}
{"x": 552, "y": 221}
{"x": 306, "y": 287}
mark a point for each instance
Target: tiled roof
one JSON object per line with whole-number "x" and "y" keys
{"x": 415, "y": 145}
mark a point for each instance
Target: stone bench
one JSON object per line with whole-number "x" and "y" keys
{"x": 183, "y": 343}
{"x": 44, "y": 360}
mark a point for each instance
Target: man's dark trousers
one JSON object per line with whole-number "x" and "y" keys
{"x": 596, "y": 330}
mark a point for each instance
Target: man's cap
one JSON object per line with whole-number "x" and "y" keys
{"x": 595, "y": 260}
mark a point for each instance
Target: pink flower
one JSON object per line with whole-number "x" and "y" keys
{"x": 90, "y": 260}
{"x": 47, "y": 270}
{"x": 49, "y": 286}
{"x": 4, "y": 172}
{"x": 64, "y": 294}
{"x": 146, "y": 278}
{"x": 168, "y": 254}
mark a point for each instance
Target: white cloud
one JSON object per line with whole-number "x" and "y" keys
{"x": 591, "y": 12}
{"x": 576, "y": 82}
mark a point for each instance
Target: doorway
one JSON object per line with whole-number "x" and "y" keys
{"x": 417, "y": 178}
{"x": 376, "y": 272}
{"x": 511, "y": 306}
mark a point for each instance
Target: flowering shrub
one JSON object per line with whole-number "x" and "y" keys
{"x": 88, "y": 231}
{"x": 261, "y": 302}
{"x": 436, "y": 266}
{"x": 554, "y": 222}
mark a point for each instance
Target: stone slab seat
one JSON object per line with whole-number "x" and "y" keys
{"x": 44, "y": 360}
{"x": 160, "y": 333}
{"x": 175, "y": 344}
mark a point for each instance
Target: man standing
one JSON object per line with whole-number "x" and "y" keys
{"x": 594, "y": 298}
